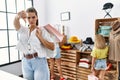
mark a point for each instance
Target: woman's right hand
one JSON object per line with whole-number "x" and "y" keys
{"x": 22, "y": 14}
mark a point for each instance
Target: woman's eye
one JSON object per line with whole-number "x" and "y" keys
{"x": 33, "y": 17}
{"x": 28, "y": 17}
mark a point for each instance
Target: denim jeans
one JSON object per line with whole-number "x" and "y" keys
{"x": 35, "y": 69}
{"x": 58, "y": 54}
{"x": 100, "y": 64}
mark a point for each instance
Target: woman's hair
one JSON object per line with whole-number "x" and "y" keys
{"x": 99, "y": 41}
{"x": 31, "y": 9}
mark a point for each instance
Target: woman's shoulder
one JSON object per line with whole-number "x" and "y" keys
{"x": 22, "y": 29}
{"x": 42, "y": 28}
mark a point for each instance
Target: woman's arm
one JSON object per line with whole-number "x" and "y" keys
{"x": 19, "y": 15}
{"x": 46, "y": 43}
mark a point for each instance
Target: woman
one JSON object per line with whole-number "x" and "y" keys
{"x": 99, "y": 57}
{"x": 34, "y": 43}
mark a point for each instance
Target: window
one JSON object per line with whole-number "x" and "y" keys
{"x": 8, "y": 35}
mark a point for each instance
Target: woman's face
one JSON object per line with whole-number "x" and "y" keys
{"x": 32, "y": 18}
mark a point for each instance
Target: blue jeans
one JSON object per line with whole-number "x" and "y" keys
{"x": 35, "y": 69}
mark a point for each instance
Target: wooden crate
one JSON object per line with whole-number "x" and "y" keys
{"x": 82, "y": 73}
{"x": 69, "y": 62}
{"x": 70, "y": 59}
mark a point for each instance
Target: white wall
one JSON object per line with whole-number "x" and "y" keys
{"x": 40, "y": 6}
{"x": 83, "y": 14}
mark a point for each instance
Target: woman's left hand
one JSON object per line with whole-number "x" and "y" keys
{"x": 38, "y": 32}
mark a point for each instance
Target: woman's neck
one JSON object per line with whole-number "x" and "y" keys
{"x": 32, "y": 28}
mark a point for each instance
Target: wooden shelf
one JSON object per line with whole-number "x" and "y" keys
{"x": 86, "y": 52}
{"x": 105, "y": 21}
{"x": 82, "y": 72}
{"x": 69, "y": 62}
{"x": 108, "y": 22}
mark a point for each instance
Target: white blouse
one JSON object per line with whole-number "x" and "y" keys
{"x": 29, "y": 44}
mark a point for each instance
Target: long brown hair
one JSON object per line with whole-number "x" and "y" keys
{"x": 99, "y": 41}
{"x": 31, "y": 9}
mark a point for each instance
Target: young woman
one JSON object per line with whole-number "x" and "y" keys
{"x": 99, "y": 55}
{"x": 34, "y": 43}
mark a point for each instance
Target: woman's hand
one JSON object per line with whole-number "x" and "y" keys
{"x": 46, "y": 43}
{"x": 22, "y": 14}
{"x": 38, "y": 32}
